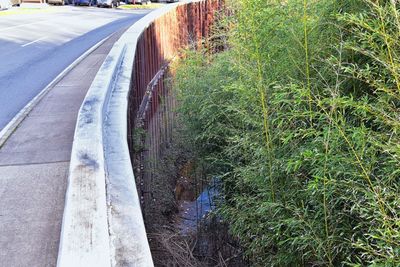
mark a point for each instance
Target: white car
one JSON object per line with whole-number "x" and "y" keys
{"x": 107, "y": 3}
{"x": 4, "y": 4}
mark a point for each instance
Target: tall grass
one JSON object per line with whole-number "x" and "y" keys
{"x": 300, "y": 118}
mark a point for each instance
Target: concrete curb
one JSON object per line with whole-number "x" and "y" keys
{"x": 9, "y": 129}
{"x": 102, "y": 224}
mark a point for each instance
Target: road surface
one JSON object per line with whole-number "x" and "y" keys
{"x": 34, "y": 161}
{"x": 35, "y": 48}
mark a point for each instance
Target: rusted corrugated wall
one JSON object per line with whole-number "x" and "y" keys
{"x": 151, "y": 101}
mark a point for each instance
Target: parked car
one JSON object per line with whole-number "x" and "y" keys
{"x": 85, "y": 2}
{"x": 4, "y": 4}
{"x": 16, "y": 2}
{"x": 107, "y": 3}
{"x": 56, "y": 2}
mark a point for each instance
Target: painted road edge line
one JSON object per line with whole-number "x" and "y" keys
{"x": 9, "y": 129}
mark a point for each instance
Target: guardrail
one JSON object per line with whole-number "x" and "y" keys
{"x": 103, "y": 223}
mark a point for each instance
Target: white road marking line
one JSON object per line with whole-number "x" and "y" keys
{"x": 37, "y": 40}
{"x": 22, "y": 25}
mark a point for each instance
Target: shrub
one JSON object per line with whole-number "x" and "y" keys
{"x": 300, "y": 118}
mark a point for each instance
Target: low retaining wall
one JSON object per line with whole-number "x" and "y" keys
{"x": 102, "y": 223}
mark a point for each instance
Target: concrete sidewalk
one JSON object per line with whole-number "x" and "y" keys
{"x": 34, "y": 166}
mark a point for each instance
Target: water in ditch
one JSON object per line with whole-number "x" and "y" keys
{"x": 192, "y": 213}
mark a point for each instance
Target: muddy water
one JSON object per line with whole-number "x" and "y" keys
{"x": 192, "y": 212}
{"x": 197, "y": 219}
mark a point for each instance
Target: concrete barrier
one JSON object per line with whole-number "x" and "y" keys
{"x": 102, "y": 223}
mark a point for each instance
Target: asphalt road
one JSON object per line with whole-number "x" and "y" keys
{"x": 34, "y": 164}
{"x": 35, "y": 48}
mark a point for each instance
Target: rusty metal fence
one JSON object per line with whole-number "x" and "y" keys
{"x": 150, "y": 120}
